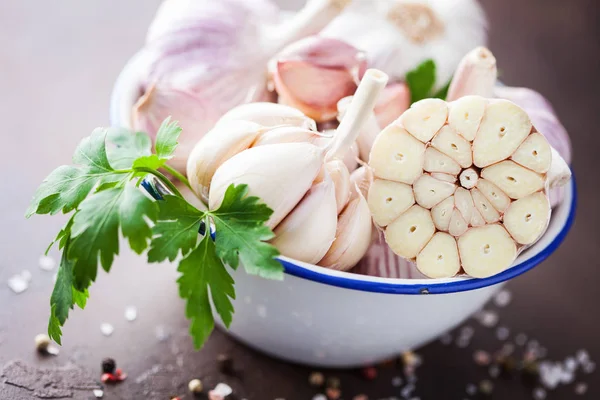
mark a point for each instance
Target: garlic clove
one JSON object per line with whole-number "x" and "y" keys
{"x": 388, "y": 200}
{"x": 279, "y": 174}
{"x": 313, "y": 74}
{"x": 439, "y": 258}
{"x": 486, "y": 250}
{"x": 269, "y": 115}
{"x": 340, "y": 176}
{"x": 353, "y": 235}
{"x": 361, "y": 180}
{"x": 308, "y": 231}
{"x": 476, "y": 75}
{"x": 287, "y": 134}
{"x": 394, "y": 100}
{"x": 217, "y": 146}
{"x": 527, "y": 218}
{"x": 410, "y": 232}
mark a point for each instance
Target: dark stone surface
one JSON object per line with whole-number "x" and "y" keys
{"x": 59, "y": 61}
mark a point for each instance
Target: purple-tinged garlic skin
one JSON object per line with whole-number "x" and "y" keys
{"x": 398, "y": 35}
{"x": 394, "y": 100}
{"x": 205, "y": 57}
{"x": 313, "y": 74}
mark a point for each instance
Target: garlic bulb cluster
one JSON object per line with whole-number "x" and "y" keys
{"x": 318, "y": 216}
{"x": 202, "y": 58}
{"x": 397, "y": 35}
{"x": 463, "y": 185}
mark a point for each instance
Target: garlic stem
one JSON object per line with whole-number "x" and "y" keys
{"x": 358, "y": 112}
{"x": 313, "y": 17}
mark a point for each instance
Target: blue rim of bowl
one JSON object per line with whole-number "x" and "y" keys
{"x": 355, "y": 283}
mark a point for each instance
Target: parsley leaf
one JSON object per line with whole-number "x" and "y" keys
{"x": 421, "y": 80}
{"x": 240, "y": 233}
{"x": 176, "y": 229}
{"x": 95, "y": 230}
{"x": 202, "y": 272}
{"x": 64, "y": 296}
{"x": 166, "y": 139}
{"x": 66, "y": 187}
{"x": 127, "y": 147}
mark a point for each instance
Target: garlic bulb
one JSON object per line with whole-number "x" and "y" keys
{"x": 398, "y": 35}
{"x": 497, "y": 206}
{"x": 477, "y": 75}
{"x": 281, "y": 174}
{"x": 205, "y": 57}
{"x": 314, "y": 73}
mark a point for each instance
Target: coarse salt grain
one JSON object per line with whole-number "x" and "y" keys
{"x": 521, "y": 339}
{"x": 471, "y": 389}
{"x": 46, "y": 263}
{"x": 502, "y": 333}
{"x": 489, "y": 319}
{"x": 539, "y": 394}
{"x": 582, "y": 356}
{"x": 570, "y": 364}
{"x": 502, "y": 299}
{"x": 98, "y": 393}
{"x": 131, "y": 313}
{"x": 107, "y": 329}
{"x": 581, "y": 388}
{"x": 18, "y": 283}
{"x": 223, "y": 389}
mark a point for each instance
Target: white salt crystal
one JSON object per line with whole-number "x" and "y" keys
{"x": 502, "y": 333}
{"x": 131, "y": 313}
{"x": 98, "y": 393}
{"x": 570, "y": 364}
{"x": 589, "y": 367}
{"x": 502, "y": 299}
{"x": 18, "y": 283}
{"x": 539, "y": 394}
{"x": 471, "y": 389}
{"x": 487, "y": 318}
{"x": 582, "y": 356}
{"x": 581, "y": 388}
{"x": 107, "y": 329}
{"x": 46, "y": 263}
{"x": 223, "y": 389}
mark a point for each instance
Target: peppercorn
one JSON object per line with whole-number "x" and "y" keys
{"x": 333, "y": 382}
{"x": 333, "y": 393}
{"x": 225, "y": 364}
{"x": 369, "y": 373}
{"x": 195, "y": 386}
{"x": 316, "y": 379}
{"x": 486, "y": 387}
{"x": 42, "y": 341}
{"x": 109, "y": 366}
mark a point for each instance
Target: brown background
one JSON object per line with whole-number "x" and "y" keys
{"x": 58, "y": 61}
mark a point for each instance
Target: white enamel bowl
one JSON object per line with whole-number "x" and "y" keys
{"x": 322, "y": 317}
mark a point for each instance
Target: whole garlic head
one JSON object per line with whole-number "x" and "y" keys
{"x": 398, "y": 35}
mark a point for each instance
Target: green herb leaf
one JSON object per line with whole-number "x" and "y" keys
{"x": 241, "y": 233}
{"x": 443, "y": 92}
{"x": 176, "y": 229}
{"x": 66, "y": 187}
{"x": 166, "y": 139}
{"x": 64, "y": 296}
{"x": 421, "y": 80}
{"x": 127, "y": 147}
{"x": 202, "y": 271}
{"x": 95, "y": 230}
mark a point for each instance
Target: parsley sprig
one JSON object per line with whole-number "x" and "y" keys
{"x": 101, "y": 191}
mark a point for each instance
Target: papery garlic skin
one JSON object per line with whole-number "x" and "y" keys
{"x": 398, "y": 35}
{"x": 307, "y": 232}
{"x": 314, "y": 73}
{"x": 497, "y": 206}
{"x": 203, "y": 58}
{"x": 269, "y": 114}
{"x": 476, "y": 75}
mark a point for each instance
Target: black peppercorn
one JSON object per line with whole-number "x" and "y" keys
{"x": 108, "y": 366}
